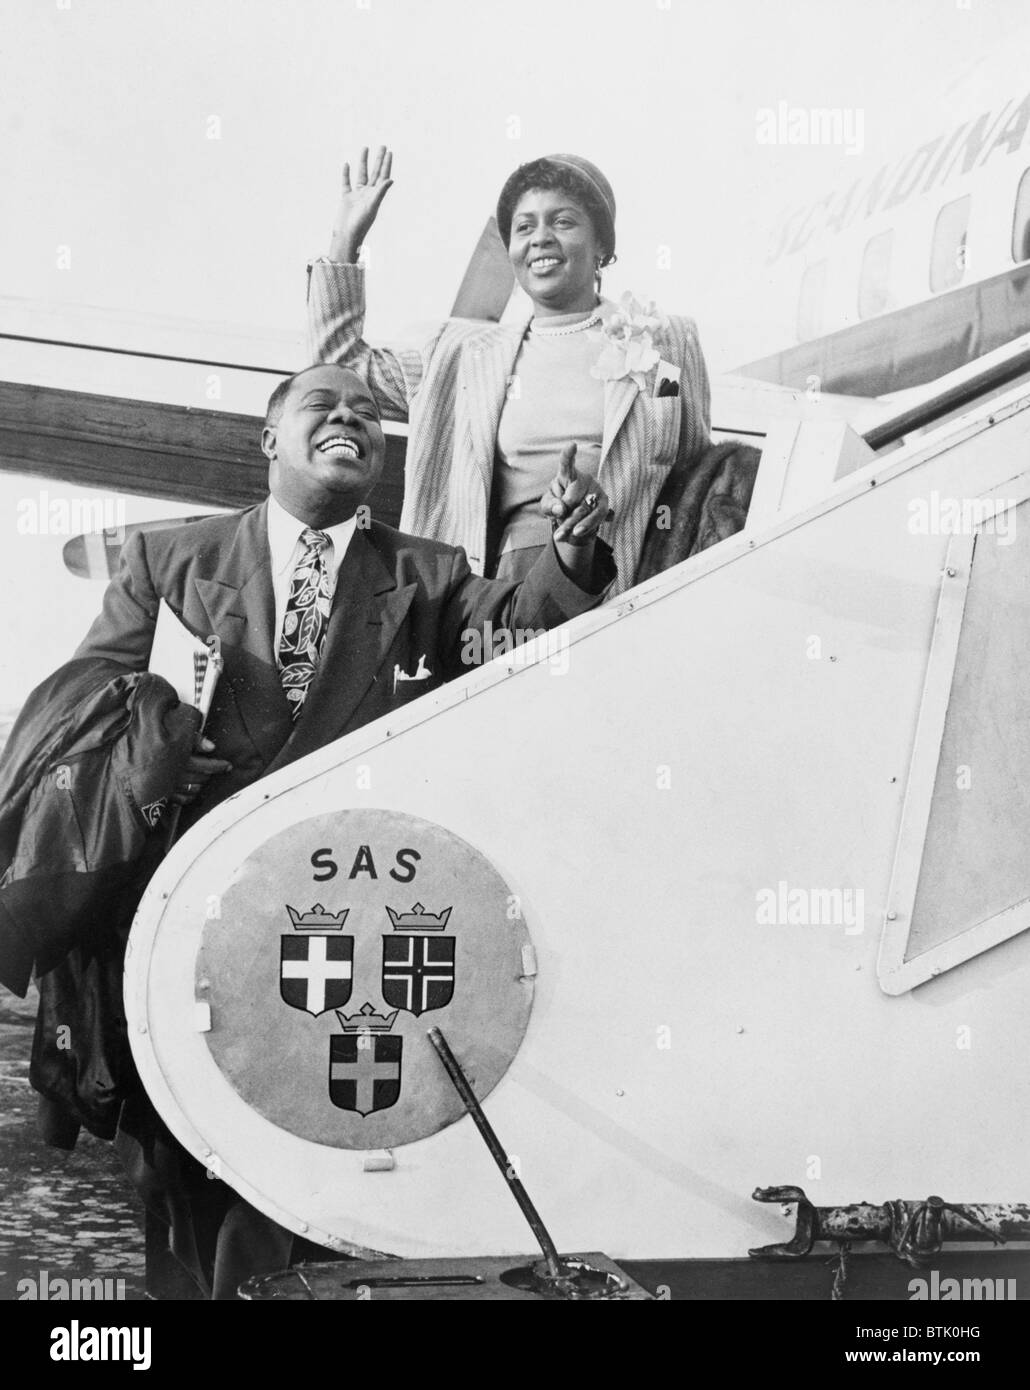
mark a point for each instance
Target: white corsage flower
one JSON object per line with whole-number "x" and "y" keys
{"x": 627, "y": 338}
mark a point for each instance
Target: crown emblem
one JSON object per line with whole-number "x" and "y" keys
{"x": 418, "y": 919}
{"x": 366, "y": 1020}
{"x": 317, "y": 919}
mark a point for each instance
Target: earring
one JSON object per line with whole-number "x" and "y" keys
{"x": 597, "y": 275}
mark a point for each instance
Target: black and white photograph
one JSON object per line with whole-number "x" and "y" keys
{"x": 513, "y": 762}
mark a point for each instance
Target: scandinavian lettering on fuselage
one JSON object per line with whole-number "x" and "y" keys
{"x": 952, "y": 153}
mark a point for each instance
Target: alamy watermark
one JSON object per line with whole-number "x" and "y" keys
{"x": 784, "y": 906}
{"x": 54, "y": 515}
{"x": 43, "y": 1287}
{"x": 961, "y": 516}
{"x": 80, "y": 1342}
{"x": 973, "y": 1290}
{"x": 784, "y": 124}
{"x": 485, "y": 643}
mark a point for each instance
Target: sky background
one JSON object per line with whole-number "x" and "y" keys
{"x": 179, "y": 242}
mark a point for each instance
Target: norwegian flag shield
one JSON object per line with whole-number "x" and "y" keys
{"x": 316, "y": 972}
{"x": 365, "y": 1071}
{"x": 418, "y": 972}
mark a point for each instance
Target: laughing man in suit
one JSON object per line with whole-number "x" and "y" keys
{"x": 388, "y": 599}
{"x": 315, "y": 612}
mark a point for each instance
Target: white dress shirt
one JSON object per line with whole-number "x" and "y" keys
{"x": 284, "y": 544}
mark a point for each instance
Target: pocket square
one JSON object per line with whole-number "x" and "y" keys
{"x": 421, "y": 673}
{"x": 667, "y": 380}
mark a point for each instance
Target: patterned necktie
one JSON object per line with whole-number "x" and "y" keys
{"x": 305, "y": 621}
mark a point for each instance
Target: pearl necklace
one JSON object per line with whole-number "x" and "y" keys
{"x": 590, "y": 322}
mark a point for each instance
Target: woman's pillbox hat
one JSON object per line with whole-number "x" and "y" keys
{"x": 585, "y": 173}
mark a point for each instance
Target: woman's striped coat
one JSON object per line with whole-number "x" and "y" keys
{"x": 452, "y": 393}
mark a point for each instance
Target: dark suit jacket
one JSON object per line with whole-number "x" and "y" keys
{"x": 397, "y": 599}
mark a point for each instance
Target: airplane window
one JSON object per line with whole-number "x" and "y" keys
{"x": 1021, "y": 221}
{"x": 874, "y": 281}
{"x": 810, "y": 301}
{"x": 948, "y": 253}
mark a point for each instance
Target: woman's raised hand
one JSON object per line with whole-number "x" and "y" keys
{"x": 359, "y": 204}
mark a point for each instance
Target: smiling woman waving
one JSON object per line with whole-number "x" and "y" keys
{"x": 492, "y": 406}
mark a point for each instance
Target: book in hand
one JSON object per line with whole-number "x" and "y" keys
{"x": 190, "y": 666}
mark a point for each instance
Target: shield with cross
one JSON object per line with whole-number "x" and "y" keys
{"x": 275, "y": 998}
{"x": 316, "y": 972}
{"x": 418, "y": 968}
{"x": 365, "y": 1070}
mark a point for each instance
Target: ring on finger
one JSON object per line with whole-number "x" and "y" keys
{"x": 590, "y": 500}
